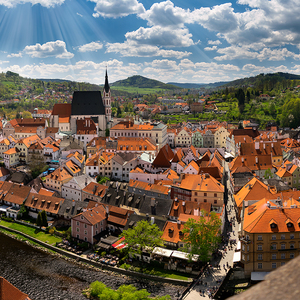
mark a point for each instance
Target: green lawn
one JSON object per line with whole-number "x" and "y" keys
{"x": 136, "y": 90}
{"x": 157, "y": 271}
{"x": 36, "y": 233}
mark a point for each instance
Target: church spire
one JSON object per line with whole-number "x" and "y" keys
{"x": 106, "y": 85}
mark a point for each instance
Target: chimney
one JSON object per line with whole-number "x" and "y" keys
{"x": 73, "y": 203}
{"x": 256, "y": 145}
{"x": 256, "y": 159}
{"x": 272, "y": 145}
{"x": 242, "y": 159}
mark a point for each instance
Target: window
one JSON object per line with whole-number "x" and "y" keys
{"x": 243, "y": 247}
{"x": 259, "y": 247}
{"x": 283, "y": 236}
{"x": 273, "y": 246}
{"x": 215, "y": 201}
{"x": 282, "y": 246}
{"x": 205, "y": 194}
{"x": 274, "y": 237}
{"x": 85, "y": 226}
{"x": 292, "y": 236}
{"x": 77, "y": 223}
{"x": 292, "y": 255}
{"x": 273, "y": 265}
{"x": 85, "y": 232}
{"x": 292, "y": 246}
{"x": 274, "y": 256}
{"x": 259, "y": 257}
{"x": 259, "y": 266}
{"x": 259, "y": 237}
{"x": 282, "y": 256}
{"x": 77, "y": 229}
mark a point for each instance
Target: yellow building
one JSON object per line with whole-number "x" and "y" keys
{"x": 270, "y": 235}
{"x": 11, "y": 157}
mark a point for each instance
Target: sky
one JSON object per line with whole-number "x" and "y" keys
{"x": 195, "y": 41}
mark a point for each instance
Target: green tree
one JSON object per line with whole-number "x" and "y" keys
{"x": 39, "y": 221}
{"x": 107, "y": 132}
{"x": 202, "y": 237}
{"x": 268, "y": 174}
{"x": 240, "y": 95}
{"x": 44, "y": 218}
{"x": 142, "y": 235}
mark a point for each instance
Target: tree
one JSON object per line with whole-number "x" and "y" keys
{"x": 142, "y": 235}
{"x": 39, "y": 221}
{"x": 240, "y": 95}
{"x": 268, "y": 174}
{"x": 107, "y": 132}
{"x": 202, "y": 237}
{"x": 44, "y": 218}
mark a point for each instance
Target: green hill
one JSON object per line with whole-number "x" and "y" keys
{"x": 272, "y": 79}
{"x": 138, "y": 81}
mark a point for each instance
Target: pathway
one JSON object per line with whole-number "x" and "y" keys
{"x": 212, "y": 280}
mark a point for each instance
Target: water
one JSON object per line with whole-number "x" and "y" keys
{"x": 45, "y": 277}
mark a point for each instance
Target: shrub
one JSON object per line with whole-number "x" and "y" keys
{"x": 96, "y": 288}
{"x": 7, "y": 219}
{"x": 103, "y": 253}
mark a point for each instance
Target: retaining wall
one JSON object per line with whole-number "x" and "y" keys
{"x": 100, "y": 265}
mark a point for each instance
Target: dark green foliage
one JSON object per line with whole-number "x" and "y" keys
{"x": 102, "y": 180}
{"x": 202, "y": 237}
{"x": 142, "y": 235}
{"x": 291, "y": 113}
{"x": 125, "y": 292}
{"x": 44, "y": 218}
{"x": 39, "y": 220}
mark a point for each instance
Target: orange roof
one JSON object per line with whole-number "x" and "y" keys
{"x": 64, "y": 119}
{"x": 46, "y": 192}
{"x": 16, "y": 194}
{"x": 62, "y": 109}
{"x": 94, "y": 215}
{"x": 9, "y": 292}
{"x": 172, "y": 232}
{"x": 282, "y": 172}
{"x": 86, "y": 126}
{"x": 60, "y": 174}
{"x": 11, "y": 151}
{"x": 29, "y": 140}
{"x": 135, "y": 144}
{"x": 130, "y": 125}
{"x": 96, "y": 189}
{"x": 42, "y": 202}
{"x": 164, "y": 157}
{"x": 253, "y": 190}
{"x": 73, "y": 167}
{"x": 201, "y": 182}
{"x": 258, "y": 218}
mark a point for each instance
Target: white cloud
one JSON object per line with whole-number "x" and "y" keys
{"x": 15, "y": 54}
{"x": 217, "y": 42}
{"x": 4, "y": 62}
{"x": 46, "y": 3}
{"x": 129, "y": 48}
{"x": 56, "y": 49}
{"x": 80, "y": 15}
{"x": 235, "y": 52}
{"x": 93, "y": 46}
{"x": 165, "y": 14}
{"x": 117, "y": 8}
{"x": 162, "y": 36}
{"x": 213, "y": 48}
{"x": 254, "y": 70}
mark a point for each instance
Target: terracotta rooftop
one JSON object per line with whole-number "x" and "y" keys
{"x": 10, "y": 292}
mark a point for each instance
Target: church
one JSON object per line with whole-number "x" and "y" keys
{"x": 85, "y": 105}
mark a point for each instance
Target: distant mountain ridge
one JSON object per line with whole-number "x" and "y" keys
{"x": 198, "y": 85}
{"x": 143, "y": 82}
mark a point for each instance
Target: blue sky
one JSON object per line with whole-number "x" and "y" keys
{"x": 197, "y": 41}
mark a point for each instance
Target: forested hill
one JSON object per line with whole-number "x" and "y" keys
{"x": 270, "y": 81}
{"x": 143, "y": 82}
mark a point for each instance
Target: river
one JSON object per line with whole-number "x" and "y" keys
{"x": 45, "y": 277}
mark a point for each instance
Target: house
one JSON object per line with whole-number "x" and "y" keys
{"x": 197, "y": 139}
{"x": 72, "y": 189}
{"x": 122, "y": 164}
{"x": 270, "y": 235}
{"x": 183, "y": 138}
{"x": 23, "y": 146}
{"x": 86, "y": 130}
{"x": 55, "y": 180}
{"x": 94, "y": 191}
{"x": 86, "y": 225}
{"x": 198, "y": 188}
{"x": 11, "y": 157}
{"x": 96, "y": 144}
{"x": 37, "y": 203}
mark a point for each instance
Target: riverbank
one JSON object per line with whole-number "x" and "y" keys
{"x": 43, "y": 276}
{"x": 85, "y": 260}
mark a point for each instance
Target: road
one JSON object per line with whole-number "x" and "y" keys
{"x": 211, "y": 280}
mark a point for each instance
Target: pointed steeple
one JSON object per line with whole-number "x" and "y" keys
{"x": 106, "y": 85}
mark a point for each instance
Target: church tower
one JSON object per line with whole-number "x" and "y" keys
{"x": 107, "y": 99}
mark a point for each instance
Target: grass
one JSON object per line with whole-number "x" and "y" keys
{"x": 148, "y": 269}
{"x": 33, "y": 232}
{"x": 136, "y": 90}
